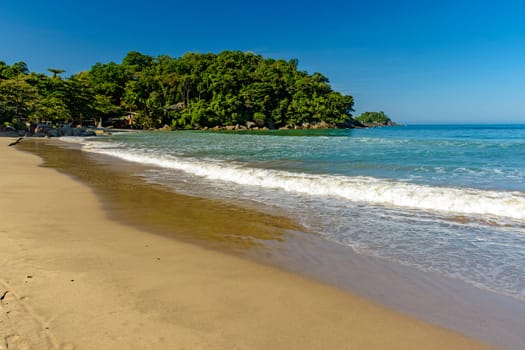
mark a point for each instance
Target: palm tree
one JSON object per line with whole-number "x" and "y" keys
{"x": 55, "y": 71}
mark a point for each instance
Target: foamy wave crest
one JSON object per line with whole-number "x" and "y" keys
{"x": 73, "y": 139}
{"x": 358, "y": 189}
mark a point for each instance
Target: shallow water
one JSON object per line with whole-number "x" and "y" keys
{"x": 447, "y": 199}
{"x": 130, "y": 200}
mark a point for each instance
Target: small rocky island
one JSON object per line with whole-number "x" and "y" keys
{"x": 375, "y": 119}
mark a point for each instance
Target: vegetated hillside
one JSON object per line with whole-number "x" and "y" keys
{"x": 375, "y": 119}
{"x": 192, "y": 91}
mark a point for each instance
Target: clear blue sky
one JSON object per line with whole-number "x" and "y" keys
{"x": 419, "y": 61}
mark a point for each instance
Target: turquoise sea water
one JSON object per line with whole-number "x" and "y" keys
{"x": 443, "y": 198}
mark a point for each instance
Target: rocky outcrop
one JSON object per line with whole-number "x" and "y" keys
{"x": 166, "y": 127}
{"x": 48, "y": 131}
{"x": 375, "y": 119}
{"x": 254, "y": 125}
{"x": 251, "y": 125}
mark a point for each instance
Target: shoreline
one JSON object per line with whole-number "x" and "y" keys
{"x": 76, "y": 278}
{"x": 428, "y": 296}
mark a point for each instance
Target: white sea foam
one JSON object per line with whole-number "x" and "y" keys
{"x": 358, "y": 189}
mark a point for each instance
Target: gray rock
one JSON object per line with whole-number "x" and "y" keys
{"x": 77, "y": 132}
{"x": 52, "y": 133}
{"x": 66, "y": 131}
{"x": 87, "y": 133}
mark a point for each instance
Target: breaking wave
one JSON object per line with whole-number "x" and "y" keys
{"x": 464, "y": 201}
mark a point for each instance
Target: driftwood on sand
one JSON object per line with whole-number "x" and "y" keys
{"x": 16, "y": 142}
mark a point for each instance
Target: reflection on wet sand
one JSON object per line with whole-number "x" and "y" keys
{"x": 151, "y": 207}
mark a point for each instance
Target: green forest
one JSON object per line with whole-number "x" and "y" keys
{"x": 375, "y": 118}
{"x": 193, "y": 91}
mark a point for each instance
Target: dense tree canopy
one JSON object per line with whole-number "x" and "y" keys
{"x": 192, "y": 91}
{"x": 374, "y": 118}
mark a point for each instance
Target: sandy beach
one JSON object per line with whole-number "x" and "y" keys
{"x": 71, "y": 278}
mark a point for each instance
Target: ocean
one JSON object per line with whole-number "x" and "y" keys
{"x": 446, "y": 199}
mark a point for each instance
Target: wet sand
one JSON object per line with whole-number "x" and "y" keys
{"x": 76, "y": 279}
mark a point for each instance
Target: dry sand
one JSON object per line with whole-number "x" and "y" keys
{"x": 77, "y": 280}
